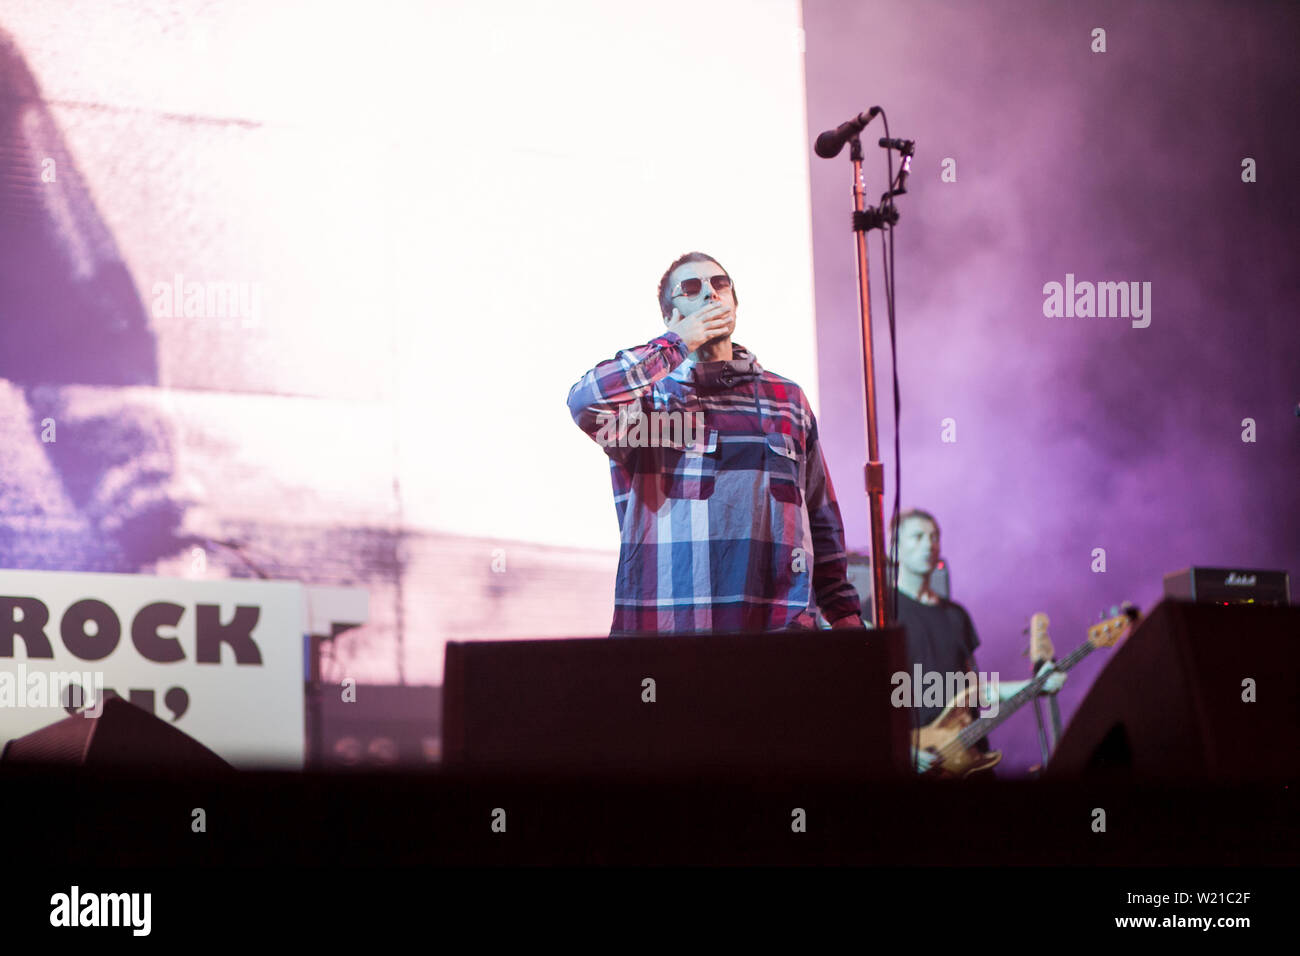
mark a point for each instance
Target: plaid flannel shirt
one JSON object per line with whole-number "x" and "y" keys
{"x": 727, "y": 516}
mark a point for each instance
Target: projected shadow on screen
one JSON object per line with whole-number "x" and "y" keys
{"x": 87, "y": 465}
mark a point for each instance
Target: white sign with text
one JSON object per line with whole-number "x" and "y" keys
{"x": 221, "y": 661}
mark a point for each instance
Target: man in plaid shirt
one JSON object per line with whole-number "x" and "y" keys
{"x": 727, "y": 515}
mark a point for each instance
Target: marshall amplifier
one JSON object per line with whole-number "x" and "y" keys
{"x": 1229, "y": 586}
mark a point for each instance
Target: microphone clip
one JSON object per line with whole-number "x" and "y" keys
{"x": 875, "y": 217}
{"x": 905, "y": 146}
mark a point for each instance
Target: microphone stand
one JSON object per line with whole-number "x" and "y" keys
{"x": 874, "y": 471}
{"x": 1043, "y": 747}
{"x": 1047, "y": 741}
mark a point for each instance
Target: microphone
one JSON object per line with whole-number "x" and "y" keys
{"x": 830, "y": 143}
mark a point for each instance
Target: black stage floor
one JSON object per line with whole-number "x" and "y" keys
{"x": 445, "y": 818}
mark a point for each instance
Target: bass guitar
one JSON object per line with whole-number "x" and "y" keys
{"x": 945, "y": 748}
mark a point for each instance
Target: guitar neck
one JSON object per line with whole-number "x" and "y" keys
{"x": 976, "y": 731}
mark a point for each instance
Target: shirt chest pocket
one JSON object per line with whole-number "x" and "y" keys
{"x": 691, "y": 470}
{"x": 784, "y": 468}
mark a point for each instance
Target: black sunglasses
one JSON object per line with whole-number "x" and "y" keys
{"x": 691, "y": 287}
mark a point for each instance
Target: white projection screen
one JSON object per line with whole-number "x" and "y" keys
{"x": 348, "y": 258}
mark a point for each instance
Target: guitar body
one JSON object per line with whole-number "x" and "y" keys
{"x": 945, "y": 749}
{"x": 941, "y": 754}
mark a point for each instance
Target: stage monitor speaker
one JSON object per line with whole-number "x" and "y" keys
{"x": 782, "y": 703}
{"x": 123, "y": 735}
{"x": 1199, "y": 692}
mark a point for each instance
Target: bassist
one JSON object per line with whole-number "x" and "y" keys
{"x": 940, "y": 634}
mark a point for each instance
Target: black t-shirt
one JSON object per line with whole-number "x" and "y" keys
{"x": 940, "y": 637}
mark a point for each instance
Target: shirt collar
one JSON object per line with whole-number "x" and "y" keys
{"x": 743, "y": 367}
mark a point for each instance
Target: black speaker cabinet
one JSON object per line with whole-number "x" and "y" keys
{"x": 781, "y": 703}
{"x": 1169, "y": 706}
{"x": 123, "y": 735}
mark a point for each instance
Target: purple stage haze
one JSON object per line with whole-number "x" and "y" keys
{"x": 1072, "y": 434}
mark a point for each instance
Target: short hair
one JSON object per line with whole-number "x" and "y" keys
{"x": 665, "y": 297}
{"x": 898, "y": 522}
{"x": 896, "y": 525}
